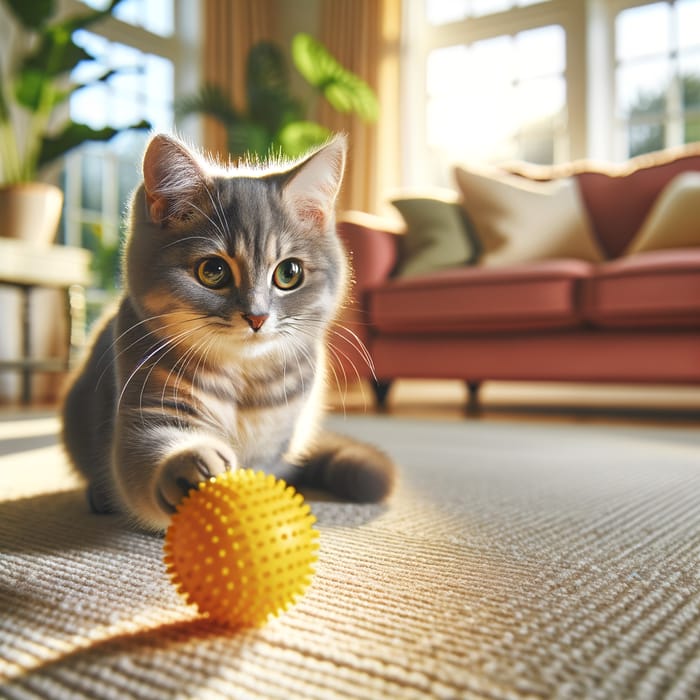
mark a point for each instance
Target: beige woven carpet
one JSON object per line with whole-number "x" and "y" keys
{"x": 515, "y": 561}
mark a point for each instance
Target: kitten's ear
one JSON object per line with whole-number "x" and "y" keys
{"x": 312, "y": 186}
{"x": 173, "y": 180}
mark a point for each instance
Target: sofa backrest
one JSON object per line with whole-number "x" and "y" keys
{"x": 618, "y": 203}
{"x": 618, "y": 197}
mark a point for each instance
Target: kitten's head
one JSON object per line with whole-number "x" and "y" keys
{"x": 250, "y": 254}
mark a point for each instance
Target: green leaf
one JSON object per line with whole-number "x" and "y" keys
{"x": 300, "y": 137}
{"x": 343, "y": 89}
{"x": 74, "y": 135}
{"x": 32, "y": 14}
{"x": 55, "y": 54}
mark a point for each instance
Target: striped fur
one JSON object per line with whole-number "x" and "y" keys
{"x": 186, "y": 380}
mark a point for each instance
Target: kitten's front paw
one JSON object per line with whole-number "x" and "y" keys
{"x": 182, "y": 471}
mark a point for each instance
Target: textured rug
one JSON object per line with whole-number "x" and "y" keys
{"x": 514, "y": 561}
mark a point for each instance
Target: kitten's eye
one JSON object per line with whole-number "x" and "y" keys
{"x": 288, "y": 274}
{"x": 213, "y": 273}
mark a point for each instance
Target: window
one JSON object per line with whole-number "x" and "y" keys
{"x": 546, "y": 80}
{"x": 511, "y": 99}
{"x": 98, "y": 178}
{"x": 490, "y": 81}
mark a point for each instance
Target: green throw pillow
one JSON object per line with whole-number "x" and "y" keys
{"x": 438, "y": 236}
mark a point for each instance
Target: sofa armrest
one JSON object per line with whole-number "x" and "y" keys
{"x": 371, "y": 245}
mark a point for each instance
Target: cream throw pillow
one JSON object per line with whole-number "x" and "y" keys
{"x": 674, "y": 220}
{"x": 519, "y": 220}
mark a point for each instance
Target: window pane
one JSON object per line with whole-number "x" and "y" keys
{"x": 644, "y": 138}
{"x": 493, "y": 62}
{"x": 91, "y": 182}
{"x": 692, "y": 130}
{"x": 157, "y": 16}
{"x": 445, "y": 11}
{"x": 537, "y": 147}
{"x": 541, "y": 51}
{"x": 539, "y": 101}
{"x": 643, "y": 31}
{"x": 641, "y": 87}
{"x": 445, "y": 68}
{"x": 688, "y": 23}
{"x": 690, "y": 81}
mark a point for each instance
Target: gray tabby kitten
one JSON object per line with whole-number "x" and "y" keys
{"x": 215, "y": 357}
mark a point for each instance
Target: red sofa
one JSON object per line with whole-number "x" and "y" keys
{"x": 632, "y": 317}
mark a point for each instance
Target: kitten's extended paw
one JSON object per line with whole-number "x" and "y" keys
{"x": 183, "y": 470}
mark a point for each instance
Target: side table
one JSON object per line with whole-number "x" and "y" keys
{"x": 26, "y": 267}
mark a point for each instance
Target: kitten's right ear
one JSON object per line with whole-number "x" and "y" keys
{"x": 173, "y": 179}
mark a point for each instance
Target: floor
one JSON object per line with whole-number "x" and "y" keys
{"x": 516, "y": 559}
{"x": 530, "y": 402}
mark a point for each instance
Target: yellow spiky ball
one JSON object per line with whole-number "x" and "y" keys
{"x": 242, "y": 547}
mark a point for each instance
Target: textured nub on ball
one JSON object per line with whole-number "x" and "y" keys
{"x": 242, "y": 547}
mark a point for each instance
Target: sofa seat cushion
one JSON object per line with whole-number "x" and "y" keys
{"x": 534, "y": 295}
{"x": 656, "y": 288}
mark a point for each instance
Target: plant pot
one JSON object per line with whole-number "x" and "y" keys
{"x": 30, "y": 211}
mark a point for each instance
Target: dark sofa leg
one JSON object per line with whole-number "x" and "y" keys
{"x": 473, "y": 406}
{"x": 381, "y": 392}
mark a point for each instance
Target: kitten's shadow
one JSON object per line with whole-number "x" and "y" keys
{"x": 58, "y": 521}
{"x": 62, "y": 521}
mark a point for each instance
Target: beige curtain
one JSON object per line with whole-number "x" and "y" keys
{"x": 364, "y": 35}
{"x": 231, "y": 28}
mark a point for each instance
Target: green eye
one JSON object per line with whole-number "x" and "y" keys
{"x": 288, "y": 274}
{"x": 213, "y": 273}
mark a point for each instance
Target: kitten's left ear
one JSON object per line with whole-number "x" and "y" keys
{"x": 173, "y": 179}
{"x": 312, "y": 186}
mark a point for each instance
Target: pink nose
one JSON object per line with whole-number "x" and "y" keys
{"x": 256, "y": 321}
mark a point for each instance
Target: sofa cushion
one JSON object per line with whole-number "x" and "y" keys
{"x": 520, "y": 221}
{"x": 528, "y": 296}
{"x": 437, "y": 234}
{"x": 657, "y": 288}
{"x": 674, "y": 221}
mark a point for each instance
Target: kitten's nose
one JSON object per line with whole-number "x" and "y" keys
{"x": 255, "y": 321}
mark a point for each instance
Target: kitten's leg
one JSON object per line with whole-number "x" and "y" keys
{"x": 156, "y": 467}
{"x": 346, "y": 468}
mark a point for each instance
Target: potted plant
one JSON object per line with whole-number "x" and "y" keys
{"x": 273, "y": 119}
{"x": 32, "y": 133}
